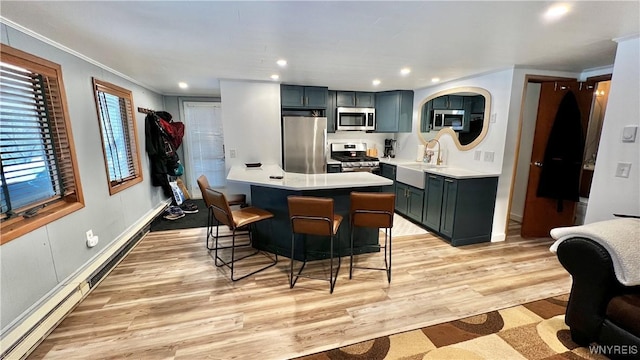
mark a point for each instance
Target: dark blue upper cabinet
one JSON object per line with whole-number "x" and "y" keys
{"x": 456, "y": 102}
{"x": 303, "y": 97}
{"x": 394, "y": 110}
{"x": 331, "y": 112}
{"x": 440, "y": 103}
{"x": 355, "y": 99}
{"x": 346, "y": 98}
{"x": 448, "y": 102}
{"x": 365, "y": 99}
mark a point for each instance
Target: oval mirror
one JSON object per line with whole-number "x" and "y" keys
{"x": 462, "y": 112}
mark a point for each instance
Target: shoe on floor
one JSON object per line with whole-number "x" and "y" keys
{"x": 189, "y": 208}
{"x": 173, "y": 213}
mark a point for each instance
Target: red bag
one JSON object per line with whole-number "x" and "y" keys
{"x": 175, "y": 130}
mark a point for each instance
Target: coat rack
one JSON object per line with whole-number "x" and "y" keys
{"x": 145, "y": 111}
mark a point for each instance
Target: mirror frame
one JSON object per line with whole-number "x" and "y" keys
{"x": 449, "y": 131}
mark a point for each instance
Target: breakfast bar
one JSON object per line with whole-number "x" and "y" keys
{"x": 270, "y": 186}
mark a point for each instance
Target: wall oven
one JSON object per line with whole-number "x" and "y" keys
{"x": 363, "y": 119}
{"x": 448, "y": 118}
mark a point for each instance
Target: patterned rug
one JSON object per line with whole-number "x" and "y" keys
{"x": 534, "y": 330}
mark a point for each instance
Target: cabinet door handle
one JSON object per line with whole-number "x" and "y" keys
{"x": 448, "y": 180}
{"x": 306, "y": 100}
{"x": 433, "y": 177}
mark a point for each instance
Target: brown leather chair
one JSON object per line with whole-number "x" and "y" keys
{"x": 233, "y": 200}
{"x": 373, "y": 210}
{"x": 241, "y": 219}
{"x": 313, "y": 216}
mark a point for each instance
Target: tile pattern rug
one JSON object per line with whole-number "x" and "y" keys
{"x": 533, "y": 330}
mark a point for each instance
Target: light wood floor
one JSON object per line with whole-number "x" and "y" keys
{"x": 167, "y": 300}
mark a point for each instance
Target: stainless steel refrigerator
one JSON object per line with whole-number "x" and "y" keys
{"x": 304, "y": 141}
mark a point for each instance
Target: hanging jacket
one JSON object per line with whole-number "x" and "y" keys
{"x": 163, "y": 158}
{"x": 560, "y": 175}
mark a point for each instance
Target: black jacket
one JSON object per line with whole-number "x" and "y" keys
{"x": 560, "y": 176}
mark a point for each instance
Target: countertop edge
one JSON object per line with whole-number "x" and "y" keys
{"x": 449, "y": 171}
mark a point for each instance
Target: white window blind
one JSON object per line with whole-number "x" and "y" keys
{"x": 29, "y": 128}
{"x": 204, "y": 144}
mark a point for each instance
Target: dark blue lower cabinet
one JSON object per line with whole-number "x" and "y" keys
{"x": 388, "y": 171}
{"x": 433, "y": 202}
{"x": 460, "y": 210}
{"x": 409, "y": 201}
{"x": 334, "y": 168}
{"x": 402, "y": 202}
{"x": 415, "y": 200}
{"x": 448, "y": 207}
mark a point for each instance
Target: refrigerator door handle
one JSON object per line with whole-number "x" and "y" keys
{"x": 325, "y": 145}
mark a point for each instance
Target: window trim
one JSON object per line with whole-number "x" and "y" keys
{"x": 13, "y": 228}
{"x": 120, "y": 92}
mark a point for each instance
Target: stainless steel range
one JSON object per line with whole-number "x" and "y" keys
{"x": 353, "y": 157}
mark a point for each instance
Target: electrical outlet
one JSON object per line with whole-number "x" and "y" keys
{"x": 93, "y": 241}
{"x": 493, "y": 118}
{"x": 232, "y": 153}
{"x": 488, "y": 156}
{"x": 477, "y": 155}
{"x": 89, "y": 234}
{"x": 623, "y": 169}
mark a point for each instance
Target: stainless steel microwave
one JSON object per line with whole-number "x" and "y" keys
{"x": 448, "y": 118}
{"x": 363, "y": 119}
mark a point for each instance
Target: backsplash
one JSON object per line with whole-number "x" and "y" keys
{"x": 371, "y": 139}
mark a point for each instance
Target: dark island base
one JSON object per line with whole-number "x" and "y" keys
{"x": 274, "y": 235}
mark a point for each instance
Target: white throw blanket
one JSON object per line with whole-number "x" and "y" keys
{"x": 620, "y": 237}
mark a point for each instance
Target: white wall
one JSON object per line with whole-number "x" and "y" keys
{"x": 251, "y": 124}
{"x": 35, "y": 265}
{"x": 499, "y": 86}
{"x": 529, "y": 116}
{"x": 610, "y": 194}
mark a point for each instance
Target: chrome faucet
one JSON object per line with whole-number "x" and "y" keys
{"x": 428, "y": 156}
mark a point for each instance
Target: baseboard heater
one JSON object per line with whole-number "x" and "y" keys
{"x": 59, "y": 305}
{"x": 115, "y": 259}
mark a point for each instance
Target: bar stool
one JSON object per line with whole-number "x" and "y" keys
{"x": 244, "y": 218}
{"x": 313, "y": 216}
{"x": 233, "y": 200}
{"x": 373, "y": 210}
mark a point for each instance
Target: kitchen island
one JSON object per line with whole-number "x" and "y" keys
{"x": 271, "y": 194}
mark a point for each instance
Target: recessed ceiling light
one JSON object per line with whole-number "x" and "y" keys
{"x": 275, "y": 77}
{"x": 282, "y": 62}
{"x": 183, "y": 85}
{"x": 376, "y": 82}
{"x": 435, "y": 80}
{"x": 556, "y": 11}
{"x": 405, "y": 71}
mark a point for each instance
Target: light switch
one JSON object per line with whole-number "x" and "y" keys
{"x": 623, "y": 169}
{"x": 629, "y": 133}
{"x": 488, "y": 156}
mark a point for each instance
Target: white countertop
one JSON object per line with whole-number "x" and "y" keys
{"x": 448, "y": 171}
{"x": 294, "y": 181}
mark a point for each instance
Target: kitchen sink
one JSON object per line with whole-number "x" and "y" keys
{"x": 413, "y": 174}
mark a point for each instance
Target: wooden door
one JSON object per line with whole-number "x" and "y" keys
{"x": 542, "y": 214}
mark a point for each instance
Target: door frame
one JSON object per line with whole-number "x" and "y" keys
{"x": 194, "y": 191}
{"x": 527, "y": 79}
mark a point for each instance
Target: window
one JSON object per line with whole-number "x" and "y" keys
{"x": 118, "y": 131}
{"x": 39, "y": 181}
